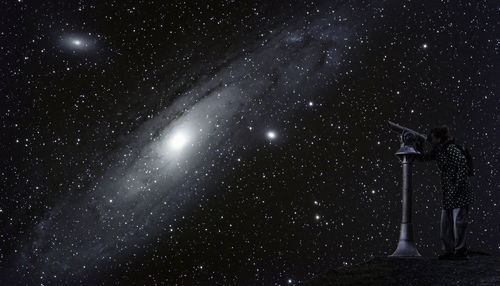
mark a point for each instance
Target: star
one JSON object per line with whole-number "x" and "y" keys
{"x": 271, "y": 135}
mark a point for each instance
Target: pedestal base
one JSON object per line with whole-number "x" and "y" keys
{"x": 406, "y": 245}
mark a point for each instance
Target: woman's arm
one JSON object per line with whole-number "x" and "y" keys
{"x": 427, "y": 156}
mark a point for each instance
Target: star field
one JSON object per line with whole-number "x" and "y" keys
{"x": 234, "y": 142}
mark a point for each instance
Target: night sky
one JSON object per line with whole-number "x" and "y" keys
{"x": 233, "y": 142}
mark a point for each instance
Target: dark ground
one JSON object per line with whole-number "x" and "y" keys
{"x": 480, "y": 269}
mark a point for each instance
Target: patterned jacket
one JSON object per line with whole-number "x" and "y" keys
{"x": 454, "y": 180}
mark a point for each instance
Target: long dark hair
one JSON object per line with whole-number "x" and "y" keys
{"x": 440, "y": 132}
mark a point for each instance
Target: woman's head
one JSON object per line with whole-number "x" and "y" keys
{"x": 438, "y": 134}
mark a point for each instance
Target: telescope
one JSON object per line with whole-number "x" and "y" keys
{"x": 410, "y": 141}
{"x": 408, "y": 136}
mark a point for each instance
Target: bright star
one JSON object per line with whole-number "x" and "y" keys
{"x": 424, "y": 46}
{"x": 271, "y": 135}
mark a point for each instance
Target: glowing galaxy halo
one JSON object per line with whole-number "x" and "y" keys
{"x": 77, "y": 42}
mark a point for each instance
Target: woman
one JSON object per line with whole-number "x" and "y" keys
{"x": 457, "y": 193}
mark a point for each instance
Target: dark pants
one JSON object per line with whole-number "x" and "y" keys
{"x": 453, "y": 230}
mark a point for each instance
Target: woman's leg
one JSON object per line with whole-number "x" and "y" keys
{"x": 460, "y": 217}
{"x": 447, "y": 237}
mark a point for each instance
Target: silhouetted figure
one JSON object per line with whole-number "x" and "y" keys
{"x": 457, "y": 193}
